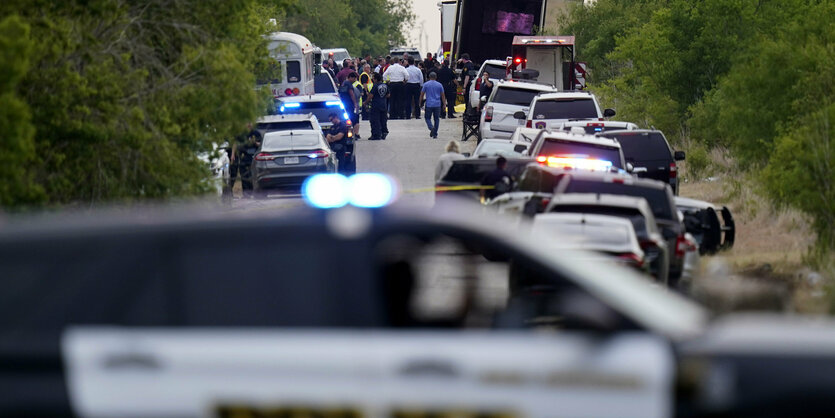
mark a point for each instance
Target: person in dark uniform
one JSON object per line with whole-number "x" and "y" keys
{"x": 378, "y": 96}
{"x": 447, "y": 79}
{"x": 243, "y": 153}
{"x": 486, "y": 88}
{"x": 499, "y": 178}
{"x": 466, "y": 67}
{"x": 340, "y": 141}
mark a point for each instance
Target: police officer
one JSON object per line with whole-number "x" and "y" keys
{"x": 340, "y": 141}
{"x": 243, "y": 152}
{"x": 447, "y": 79}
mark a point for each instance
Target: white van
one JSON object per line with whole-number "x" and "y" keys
{"x": 294, "y": 53}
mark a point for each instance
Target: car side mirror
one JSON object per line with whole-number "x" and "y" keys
{"x": 679, "y": 155}
{"x": 520, "y": 115}
{"x": 466, "y": 154}
{"x": 629, "y": 167}
{"x": 608, "y": 113}
{"x": 520, "y": 148}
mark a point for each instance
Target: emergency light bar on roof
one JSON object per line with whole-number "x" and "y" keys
{"x": 543, "y": 40}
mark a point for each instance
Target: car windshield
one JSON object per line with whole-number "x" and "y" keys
{"x": 555, "y": 147}
{"x": 643, "y": 146}
{"x": 495, "y": 71}
{"x": 565, "y": 109}
{"x": 491, "y": 148}
{"x": 633, "y": 215}
{"x": 283, "y": 141}
{"x": 658, "y": 198}
{"x": 519, "y": 97}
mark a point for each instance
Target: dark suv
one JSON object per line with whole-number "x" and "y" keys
{"x": 657, "y": 194}
{"x": 650, "y": 154}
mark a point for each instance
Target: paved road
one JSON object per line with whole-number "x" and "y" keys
{"x": 408, "y": 154}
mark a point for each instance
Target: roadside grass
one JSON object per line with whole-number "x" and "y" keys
{"x": 770, "y": 266}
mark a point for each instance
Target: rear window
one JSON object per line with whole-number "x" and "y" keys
{"x": 323, "y": 83}
{"x": 519, "y": 97}
{"x": 266, "y": 127}
{"x": 643, "y": 146}
{"x": 633, "y": 215}
{"x": 588, "y": 234}
{"x": 565, "y": 109}
{"x": 495, "y": 71}
{"x": 294, "y": 71}
{"x": 497, "y": 148}
{"x": 553, "y": 147}
{"x": 284, "y": 142}
{"x": 658, "y": 198}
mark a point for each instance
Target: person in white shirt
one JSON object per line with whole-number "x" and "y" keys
{"x": 453, "y": 153}
{"x": 396, "y": 76}
{"x": 413, "y": 85}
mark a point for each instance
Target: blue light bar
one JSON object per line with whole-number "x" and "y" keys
{"x": 333, "y": 103}
{"x": 326, "y": 191}
{"x": 364, "y": 190}
{"x": 346, "y": 116}
{"x": 292, "y": 105}
{"x": 372, "y": 190}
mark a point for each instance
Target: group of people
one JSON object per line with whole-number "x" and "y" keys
{"x": 395, "y": 88}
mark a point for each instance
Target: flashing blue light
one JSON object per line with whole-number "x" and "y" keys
{"x": 371, "y": 190}
{"x": 346, "y": 116}
{"x": 281, "y": 109}
{"x": 326, "y": 191}
{"x": 333, "y": 103}
{"x": 291, "y": 105}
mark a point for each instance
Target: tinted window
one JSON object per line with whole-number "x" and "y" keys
{"x": 536, "y": 180}
{"x": 587, "y": 234}
{"x": 633, "y": 215}
{"x": 294, "y": 71}
{"x": 265, "y": 127}
{"x": 519, "y": 97}
{"x": 657, "y": 198}
{"x": 281, "y": 142}
{"x": 565, "y": 109}
{"x": 563, "y": 148}
{"x": 323, "y": 83}
{"x": 495, "y": 71}
{"x": 643, "y": 146}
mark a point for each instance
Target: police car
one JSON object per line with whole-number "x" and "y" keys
{"x": 357, "y": 310}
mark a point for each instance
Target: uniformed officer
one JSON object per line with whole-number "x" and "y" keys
{"x": 243, "y": 152}
{"x": 341, "y": 144}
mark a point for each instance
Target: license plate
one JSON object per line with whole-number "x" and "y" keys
{"x": 291, "y": 160}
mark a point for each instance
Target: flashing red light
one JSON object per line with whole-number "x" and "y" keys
{"x": 541, "y": 159}
{"x": 518, "y": 60}
{"x": 288, "y": 92}
{"x": 529, "y": 124}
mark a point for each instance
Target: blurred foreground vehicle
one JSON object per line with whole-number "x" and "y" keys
{"x": 360, "y": 311}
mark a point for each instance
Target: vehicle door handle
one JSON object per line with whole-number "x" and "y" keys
{"x": 429, "y": 367}
{"x": 131, "y": 361}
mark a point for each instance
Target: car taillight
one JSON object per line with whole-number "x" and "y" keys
{"x": 288, "y": 92}
{"x": 478, "y": 84}
{"x": 673, "y": 170}
{"x": 488, "y": 115}
{"x": 319, "y": 153}
{"x": 529, "y": 124}
{"x": 541, "y": 159}
{"x": 681, "y": 246}
{"x": 645, "y": 243}
{"x": 633, "y": 258}
{"x": 545, "y": 203}
{"x": 263, "y": 156}
{"x": 296, "y": 91}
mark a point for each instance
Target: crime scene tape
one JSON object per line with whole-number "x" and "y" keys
{"x": 448, "y": 189}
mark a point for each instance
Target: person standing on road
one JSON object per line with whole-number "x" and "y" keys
{"x": 429, "y": 63}
{"x": 447, "y": 79}
{"x": 396, "y": 76}
{"x": 367, "y": 83}
{"x": 453, "y": 153}
{"x": 243, "y": 152}
{"x": 433, "y": 91}
{"x": 338, "y": 139}
{"x": 499, "y": 179}
{"x": 378, "y": 97}
{"x": 360, "y": 94}
{"x": 466, "y": 67}
{"x": 347, "y": 68}
{"x": 350, "y": 100}
{"x": 413, "y": 87}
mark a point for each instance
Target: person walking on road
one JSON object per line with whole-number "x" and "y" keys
{"x": 378, "y": 96}
{"x": 413, "y": 86}
{"x": 433, "y": 91}
{"x": 453, "y": 153}
{"x": 447, "y": 79}
{"x": 396, "y": 76}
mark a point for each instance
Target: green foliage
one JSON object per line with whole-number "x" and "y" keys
{"x": 361, "y": 26}
{"x": 105, "y": 99}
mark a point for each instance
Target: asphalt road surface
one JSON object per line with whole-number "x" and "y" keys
{"x": 408, "y": 154}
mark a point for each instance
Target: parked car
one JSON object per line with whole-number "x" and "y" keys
{"x": 495, "y": 148}
{"x": 320, "y": 105}
{"x": 324, "y": 83}
{"x": 712, "y": 226}
{"x": 610, "y": 235}
{"x": 464, "y": 176}
{"x": 650, "y": 154}
{"x": 549, "y": 111}
{"x": 523, "y": 137}
{"x": 286, "y": 122}
{"x": 577, "y": 150}
{"x": 338, "y": 54}
{"x": 658, "y": 195}
{"x": 508, "y": 98}
{"x": 497, "y": 70}
{"x": 634, "y": 209}
{"x": 598, "y": 126}
{"x": 287, "y": 158}
{"x": 400, "y": 51}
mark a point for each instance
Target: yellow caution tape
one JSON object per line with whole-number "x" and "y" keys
{"x": 448, "y": 189}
